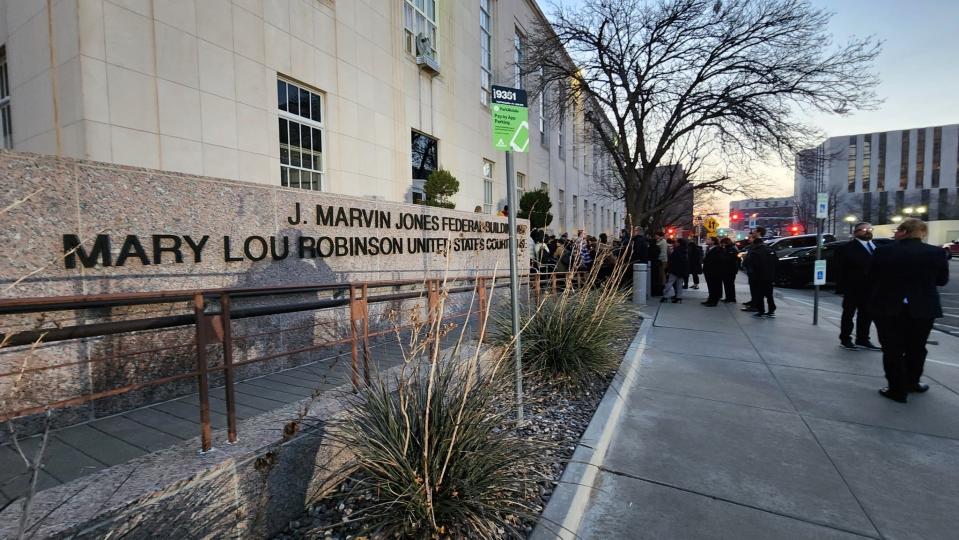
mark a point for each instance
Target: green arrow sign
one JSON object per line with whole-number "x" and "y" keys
{"x": 510, "y": 119}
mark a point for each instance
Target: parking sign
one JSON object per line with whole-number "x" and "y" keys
{"x": 819, "y": 273}
{"x": 822, "y": 206}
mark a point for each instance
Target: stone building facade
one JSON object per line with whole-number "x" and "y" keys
{"x": 320, "y": 94}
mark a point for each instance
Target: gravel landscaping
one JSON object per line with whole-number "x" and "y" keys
{"x": 556, "y": 418}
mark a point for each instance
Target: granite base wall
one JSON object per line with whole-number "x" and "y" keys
{"x": 47, "y": 197}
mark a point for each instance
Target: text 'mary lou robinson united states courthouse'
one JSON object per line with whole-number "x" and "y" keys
{"x": 361, "y": 97}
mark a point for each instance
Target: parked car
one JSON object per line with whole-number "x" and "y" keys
{"x": 795, "y": 268}
{"x": 952, "y": 248}
{"x": 786, "y": 245}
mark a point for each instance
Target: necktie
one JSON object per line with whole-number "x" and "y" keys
{"x": 869, "y": 247}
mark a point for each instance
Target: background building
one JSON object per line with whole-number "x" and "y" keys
{"x": 773, "y": 213}
{"x": 361, "y": 98}
{"x": 881, "y": 177}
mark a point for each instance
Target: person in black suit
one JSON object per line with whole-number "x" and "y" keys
{"x": 695, "y": 264}
{"x": 761, "y": 261}
{"x": 854, "y": 260}
{"x": 713, "y": 262}
{"x": 730, "y": 268}
{"x": 904, "y": 302}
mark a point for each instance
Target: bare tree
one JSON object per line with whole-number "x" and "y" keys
{"x": 704, "y": 84}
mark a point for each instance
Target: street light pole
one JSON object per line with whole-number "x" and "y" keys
{"x": 514, "y": 283}
{"x": 819, "y": 225}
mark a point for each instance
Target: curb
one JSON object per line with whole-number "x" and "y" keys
{"x": 565, "y": 510}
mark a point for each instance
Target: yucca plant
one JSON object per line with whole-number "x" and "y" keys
{"x": 566, "y": 336}
{"x": 435, "y": 458}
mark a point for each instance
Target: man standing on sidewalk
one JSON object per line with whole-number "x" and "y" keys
{"x": 854, "y": 260}
{"x": 905, "y": 303}
{"x": 754, "y": 299}
{"x": 762, "y": 265}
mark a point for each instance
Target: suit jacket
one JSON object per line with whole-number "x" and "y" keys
{"x": 904, "y": 276}
{"x": 762, "y": 263}
{"x": 852, "y": 275}
{"x": 713, "y": 261}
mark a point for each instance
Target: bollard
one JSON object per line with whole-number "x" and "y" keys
{"x": 640, "y": 283}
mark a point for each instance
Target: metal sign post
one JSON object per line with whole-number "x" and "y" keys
{"x": 822, "y": 212}
{"x": 511, "y": 133}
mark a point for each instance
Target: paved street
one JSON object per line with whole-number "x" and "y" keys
{"x": 741, "y": 428}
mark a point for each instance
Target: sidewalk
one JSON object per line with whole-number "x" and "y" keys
{"x": 741, "y": 428}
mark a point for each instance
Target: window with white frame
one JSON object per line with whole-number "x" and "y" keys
{"x": 7, "y": 126}
{"x": 518, "y": 44}
{"x": 487, "y": 187}
{"x": 542, "y": 109}
{"x": 520, "y": 185}
{"x": 301, "y": 136}
{"x": 486, "y": 52}
{"x": 419, "y": 18}
{"x": 561, "y": 209}
{"x": 559, "y": 133}
{"x": 543, "y": 186}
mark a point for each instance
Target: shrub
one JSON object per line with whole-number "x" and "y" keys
{"x": 440, "y": 186}
{"x": 566, "y": 338}
{"x": 434, "y": 459}
{"x": 534, "y": 206}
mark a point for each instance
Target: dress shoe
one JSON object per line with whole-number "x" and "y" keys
{"x": 848, "y": 345}
{"x": 920, "y": 388}
{"x": 867, "y": 345}
{"x": 749, "y": 308}
{"x": 709, "y": 304}
{"x": 895, "y": 396}
{"x": 730, "y": 300}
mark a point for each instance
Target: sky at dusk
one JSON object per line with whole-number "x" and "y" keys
{"x": 918, "y": 68}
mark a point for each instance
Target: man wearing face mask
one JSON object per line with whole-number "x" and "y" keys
{"x": 854, "y": 262}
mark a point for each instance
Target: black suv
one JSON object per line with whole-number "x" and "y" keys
{"x": 795, "y": 268}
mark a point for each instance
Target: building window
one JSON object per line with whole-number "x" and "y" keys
{"x": 615, "y": 219}
{"x": 881, "y": 173}
{"x": 7, "y": 126}
{"x": 595, "y": 223}
{"x": 575, "y": 141}
{"x": 561, "y": 209}
{"x": 543, "y": 186}
{"x": 487, "y": 187}
{"x": 419, "y": 18}
{"x": 559, "y": 134}
{"x": 866, "y": 159}
{"x": 520, "y": 185}
{"x": 486, "y": 52}
{"x": 936, "y": 155}
{"x": 575, "y": 211}
{"x": 423, "y": 150}
{"x": 518, "y": 55}
{"x": 301, "y": 136}
{"x": 851, "y": 183}
{"x": 904, "y": 161}
{"x": 920, "y": 157}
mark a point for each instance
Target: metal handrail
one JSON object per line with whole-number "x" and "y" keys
{"x": 215, "y": 327}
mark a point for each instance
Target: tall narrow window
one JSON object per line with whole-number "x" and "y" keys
{"x": 904, "y": 161}
{"x": 936, "y": 155}
{"x": 424, "y": 155}
{"x": 881, "y": 173}
{"x": 561, "y": 209}
{"x": 851, "y": 182}
{"x": 575, "y": 211}
{"x": 301, "y": 136}
{"x": 920, "y": 157}
{"x": 419, "y": 20}
{"x": 543, "y": 186}
{"x": 520, "y": 185}
{"x": 561, "y": 141}
{"x": 542, "y": 108}
{"x": 7, "y": 127}
{"x": 866, "y": 162}
{"x": 575, "y": 140}
{"x": 595, "y": 223}
{"x": 486, "y": 52}
{"x": 518, "y": 42}
{"x": 487, "y": 187}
